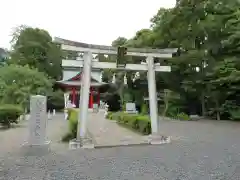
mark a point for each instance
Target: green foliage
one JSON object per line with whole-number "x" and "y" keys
{"x": 3, "y": 56}
{"x": 9, "y": 113}
{"x": 139, "y": 123}
{"x": 72, "y": 125}
{"x": 56, "y": 100}
{"x": 144, "y": 109}
{"x": 172, "y": 111}
{"x": 34, "y": 47}
{"x": 17, "y": 83}
{"x": 73, "y": 121}
{"x": 183, "y": 116}
{"x": 208, "y": 71}
{"x": 235, "y": 114}
{"x": 110, "y": 115}
{"x": 171, "y": 105}
{"x": 120, "y": 41}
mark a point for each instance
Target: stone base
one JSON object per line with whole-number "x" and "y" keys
{"x": 36, "y": 149}
{"x": 84, "y": 143}
{"x": 95, "y": 110}
{"x": 131, "y": 112}
{"x": 24, "y": 117}
{"x": 158, "y": 139}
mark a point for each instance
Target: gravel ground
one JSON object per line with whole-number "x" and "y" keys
{"x": 204, "y": 150}
{"x": 177, "y": 161}
{"x": 12, "y": 139}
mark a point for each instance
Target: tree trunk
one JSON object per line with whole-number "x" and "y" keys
{"x": 218, "y": 116}
{"x": 166, "y": 102}
{"x": 165, "y": 109}
{"x": 217, "y": 110}
{"x": 203, "y": 104}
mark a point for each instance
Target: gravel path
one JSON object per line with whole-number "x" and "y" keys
{"x": 178, "y": 161}
{"x": 204, "y": 150}
{"x": 12, "y": 139}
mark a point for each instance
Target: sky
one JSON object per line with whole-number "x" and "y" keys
{"x": 89, "y": 21}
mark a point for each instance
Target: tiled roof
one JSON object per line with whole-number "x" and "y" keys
{"x": 78, "y": 77}
{"x": 78, "y": 83}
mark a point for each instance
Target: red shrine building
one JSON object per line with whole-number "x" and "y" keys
{"x": 71, "y": 83}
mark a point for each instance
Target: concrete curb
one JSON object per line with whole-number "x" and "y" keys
{"x": 148, "y": 142}
{"x": 87, "y": 143}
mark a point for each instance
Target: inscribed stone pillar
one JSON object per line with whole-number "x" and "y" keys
{"x": 37, "y": 143}
{"x": 38, "y": 120}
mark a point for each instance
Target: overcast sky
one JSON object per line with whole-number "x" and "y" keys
{"x": 90, "y": 21}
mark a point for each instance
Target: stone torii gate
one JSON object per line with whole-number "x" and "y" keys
{"x": 87, "y": 63}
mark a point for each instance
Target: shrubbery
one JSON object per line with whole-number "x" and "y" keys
{"x": 56, "y": 100}
{"x": 175, "y": 113}
{"x": 140, "y": 123}
{"x": 144, "y": 109}
{"x": 183, "y": 116}
{"x": 9, "y": 113}
{"x": 72, "y": 125}
{"x": 235, "y": 114}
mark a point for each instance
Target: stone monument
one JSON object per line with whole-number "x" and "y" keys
{"x": 37, "y": 140}
{"x": 131, "y": 108}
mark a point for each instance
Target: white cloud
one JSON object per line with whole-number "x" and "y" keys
{"x": 90, "y": 21}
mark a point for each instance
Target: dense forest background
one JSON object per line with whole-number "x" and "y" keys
{"x": 205, "y": 78}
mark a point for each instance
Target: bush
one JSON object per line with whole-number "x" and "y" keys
{"x": 144, "y": 109}
{"x": 72, "y": 125}
{"x": 139, "y": 123}
{"x": 18, "y": 82}
{"x": 172, "y": 111}
{"x": 109, "y": 115}
{"x": 56, "y": 100}
{"x": 73, "y": 122}
{"x": 235, "y": 114}
{"x": 9, "y": 113}
{"x": 183, "y": 116}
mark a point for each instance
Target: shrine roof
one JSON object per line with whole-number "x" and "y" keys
{"x": 78, "y": 77}
{"x": 78, "y": 83}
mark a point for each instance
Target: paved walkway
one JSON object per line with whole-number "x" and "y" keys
{"x": 109, "y": 133}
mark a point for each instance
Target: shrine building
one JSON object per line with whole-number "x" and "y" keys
{"x": 72, "y": 77}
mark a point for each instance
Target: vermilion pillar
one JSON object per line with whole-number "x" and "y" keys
{"x": 91, "y": 98}
{"x": 74, "y": 95}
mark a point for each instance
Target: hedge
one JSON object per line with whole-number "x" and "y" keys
{"x": 72, "y": 125}
{"x": 9, "y": 113}
{"x": 136, "y": 122}
{"x": 235, "y": 114}
{"x": 183, "y": 116}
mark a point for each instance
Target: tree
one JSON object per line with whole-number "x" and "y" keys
{"x": 17, "y": 83}
{"x": 143, "y": 38}
{"x": 224, "y": 77}
{"x": 206, "y": 75}
{"x": 3, "y": 56}
{"x": 120, "y": 41}
{"x": 34, "y": 47}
